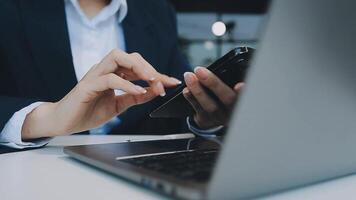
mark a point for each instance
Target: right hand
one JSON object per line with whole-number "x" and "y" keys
{"x": 210, "y": 112}
{"x": 92, "y": 101}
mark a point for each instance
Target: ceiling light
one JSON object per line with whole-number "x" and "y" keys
{"x": 218, "y": 28}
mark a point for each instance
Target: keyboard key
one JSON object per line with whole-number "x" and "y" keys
{"x": 190, "y": 165}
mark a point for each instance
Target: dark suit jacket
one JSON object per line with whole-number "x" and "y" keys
{"x": 36, "y": 60}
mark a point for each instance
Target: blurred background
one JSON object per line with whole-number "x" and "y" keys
{"x": 210, "y": 28}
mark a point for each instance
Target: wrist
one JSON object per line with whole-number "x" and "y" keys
{"x": 212, "y": 131}
{"x": 41, "y": 122}
{"x": 201, "y": 123}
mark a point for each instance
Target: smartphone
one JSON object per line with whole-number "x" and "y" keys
{"x": 231, "y": 69}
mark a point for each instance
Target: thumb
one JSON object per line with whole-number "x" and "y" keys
{"x": 125, "y": 101}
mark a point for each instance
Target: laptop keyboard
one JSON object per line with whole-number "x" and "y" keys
{"x": 194, "y": 166}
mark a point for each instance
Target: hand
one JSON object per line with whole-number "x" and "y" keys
{"x": 209, "y": 112}
{"x": 92, "y": 101}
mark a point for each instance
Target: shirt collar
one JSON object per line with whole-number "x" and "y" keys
{"x": 116, "y": 7}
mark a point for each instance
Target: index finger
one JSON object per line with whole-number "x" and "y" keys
{"x": 119, "y": 59}
{"x": 166, "y": 80}
{"x": 136, "y": 67}
{"x": 212, "y": 82}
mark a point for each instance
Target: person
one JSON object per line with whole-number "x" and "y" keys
{"x": 46, "y": 47}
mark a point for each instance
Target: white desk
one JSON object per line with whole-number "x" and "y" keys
{"x": 49, "y": 174}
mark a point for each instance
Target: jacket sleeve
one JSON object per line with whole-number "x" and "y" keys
{"x": 10, "y": 105}
{"x": 10, "y": 135}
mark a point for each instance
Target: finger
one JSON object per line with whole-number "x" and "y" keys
{"x": 226, "y": 95}
{"x": 160, "y": 80}
{"x": 202, "y": 118}
{"x": 117, "y": 59}
{"x": 166, "y": 80}
{"x": 206, "y": 102}
{"x": 125, "y": 101}
{"x": 157, "y": 88}
{"x": 156, "y": 81}
{"x": 192, "y": 101}
{"x": 238, "y": 87}
{"x": 135, "y": 66}
{"x": 129, "y": 62}
{"x": 112, "y": 81}
{"x": 110, "y": 63}
{"x": 156, "y": 85}
{"x": 140, "y": 67}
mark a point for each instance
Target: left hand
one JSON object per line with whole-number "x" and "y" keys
{"x": 92, "y": 102}
{"x": 209, "y": 112}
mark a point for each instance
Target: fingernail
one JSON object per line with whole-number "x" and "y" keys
{"x": 239, "y": 86}
{"x": 198, "y": 68}
{"x": 178, "y": 82}
{"x": 160, "y": 85}
{"x": 201, "y": 72}
{"x": 141, "y": 89}
{"x": 188, "y": 77}
{"x": 152, "y": 79}
{"x": 185, "y": 91}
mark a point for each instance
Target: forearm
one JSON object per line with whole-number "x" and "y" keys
{"x": 10, "y": 105}
{"x": 41, "y": 122}
{"x": 55, "y": 119}
{"x": 10, "y": 135}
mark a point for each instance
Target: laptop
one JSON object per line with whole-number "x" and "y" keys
{"x": 294, "y": 124}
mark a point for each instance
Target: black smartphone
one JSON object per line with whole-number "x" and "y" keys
{"x": 231, "y": 69}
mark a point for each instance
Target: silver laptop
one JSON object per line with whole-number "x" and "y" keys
{"x": 295, "y": 123}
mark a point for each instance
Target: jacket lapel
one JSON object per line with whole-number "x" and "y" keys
{"x": 140, "y": 37}
{"x": 46, "y": 30}
{"x": 47, "y": 35}
{"x": 140, "y": 33}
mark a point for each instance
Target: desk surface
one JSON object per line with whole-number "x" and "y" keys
{"x": 49, "y": 174}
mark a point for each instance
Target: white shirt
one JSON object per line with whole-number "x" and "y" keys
{"x": 90, "y": 41}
